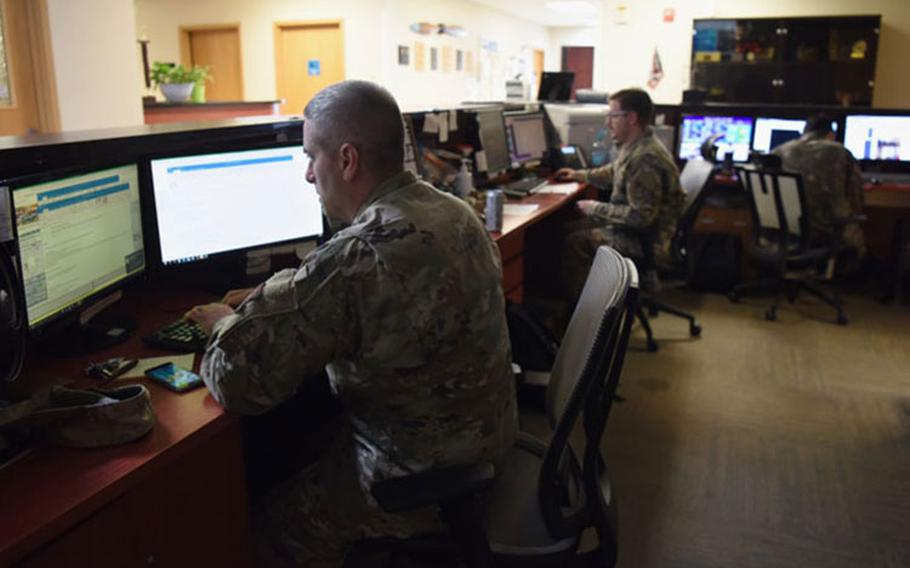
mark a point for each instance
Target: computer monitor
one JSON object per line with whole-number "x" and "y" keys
{"x": 78, "y": 238}
{"x": 555, "y": 86}
{"x": 735, "y": 131}
{"x": 527, "y": 136}
{"x": 772, "y": 132}
{"x": 495, "y": 148}
{"x": 878, "y": 137}
{"x": 207, "y": 204}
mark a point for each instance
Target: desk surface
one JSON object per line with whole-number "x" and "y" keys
{"x": 51, "y": 489}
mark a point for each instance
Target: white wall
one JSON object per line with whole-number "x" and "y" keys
{"x": 94, "y": 50}
{"x": 629, "y": 46}
{"x": 372, "y": 32}
{"x": 578, "y": 37}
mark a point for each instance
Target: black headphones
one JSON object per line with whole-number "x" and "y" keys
{"x": 12, "y": 319}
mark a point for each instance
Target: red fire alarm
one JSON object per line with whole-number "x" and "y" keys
{"x": 669, "y": 15}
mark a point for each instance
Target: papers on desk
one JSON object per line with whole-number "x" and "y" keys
{"x": 520, "y": 209}
{"x": 185, "y": 361}
{"x": 560, "y": 188}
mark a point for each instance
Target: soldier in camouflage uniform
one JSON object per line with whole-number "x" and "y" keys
{"x": 402, "y": 306}
{"x": 834, "y": 187}
{"x": 646, "y": 199}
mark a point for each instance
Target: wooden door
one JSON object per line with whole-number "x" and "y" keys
{"x": 579, "y": 60}
{"x": 538, "y": 68}
{"x": 218, "y": 47}
{"x": 18, "y": 97}
{"x": 309, "y": 56}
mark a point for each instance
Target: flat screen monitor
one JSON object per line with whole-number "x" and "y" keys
{"x": 878, "y": 137}
{"x": 555, "y": 86}
{"x": 527, "y": 136}
{"x": 735, "y": 131}
{"x": 772, "y": 132}
{"x": 493, "y": 141}
{"x": 79, "y": 237}
{"x": 207, "y": 204}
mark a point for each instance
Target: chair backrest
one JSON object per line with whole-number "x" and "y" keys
{"x": 593, "y": 344}
{"x": 779, "y": 204}
{"x": 694, "y": 177}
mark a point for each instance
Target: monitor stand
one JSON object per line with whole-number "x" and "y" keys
{"x": 91, "y": 331}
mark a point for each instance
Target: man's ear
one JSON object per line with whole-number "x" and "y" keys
{"x": 350, "y": 161}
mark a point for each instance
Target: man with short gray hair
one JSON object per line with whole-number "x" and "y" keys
{"x": 403, "y": 307}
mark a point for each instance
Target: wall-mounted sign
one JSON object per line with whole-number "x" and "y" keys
{"x": 669, "y": 15}
{"x": 313, "y": 68}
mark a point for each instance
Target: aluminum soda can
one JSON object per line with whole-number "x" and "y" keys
{"x": 495, "y": 200}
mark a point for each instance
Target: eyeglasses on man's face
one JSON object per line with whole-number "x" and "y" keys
{"x": 616, "y": 114}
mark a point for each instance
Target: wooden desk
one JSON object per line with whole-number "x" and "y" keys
{"x": 513, "y": 239}
{"x": 158, "y": 112}
{"x": 176, "y": 497}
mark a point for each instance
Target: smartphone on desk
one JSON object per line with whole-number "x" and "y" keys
{"x": 173, "y": 377}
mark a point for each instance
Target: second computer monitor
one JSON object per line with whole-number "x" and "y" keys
{"x": 208, "y": 204}
{"x": 878, "y": 137}
{"x": 735, "y": 136}
{"x": 555, "y": 86}
{"x": 527, "y": 136}
{"x": 79, "y": 237}
{"x": 772, "y": 132}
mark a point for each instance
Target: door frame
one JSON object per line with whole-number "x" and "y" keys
{"x": 277, "y": 27}
{"x": 186, "y": 55}
{"x": 42, "y": 62}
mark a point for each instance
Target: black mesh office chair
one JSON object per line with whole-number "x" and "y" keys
{"x": 533, "y": 510}
{"x": 782, "y": 249}
{"x": 693, "y": 178}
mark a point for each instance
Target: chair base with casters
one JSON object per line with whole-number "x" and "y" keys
{"x": 649, "y": 307}
{"x": 791, "y": 283}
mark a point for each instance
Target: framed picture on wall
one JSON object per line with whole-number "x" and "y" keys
{"x": 434, "y": 58}
{"x": 419, "y": 56}
{"x": 459, "y": 60}
{"x": 404, "y": 55}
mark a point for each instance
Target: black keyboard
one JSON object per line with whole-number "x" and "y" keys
{"x": 525, "y": 186}
{"x": 181, "y": 335}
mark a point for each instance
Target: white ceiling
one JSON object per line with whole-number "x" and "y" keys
{"x": 538, "y": 12}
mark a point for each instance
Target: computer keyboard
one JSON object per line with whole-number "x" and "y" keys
{"x": 525, "y": 186}
{"x": 181, "y": 335}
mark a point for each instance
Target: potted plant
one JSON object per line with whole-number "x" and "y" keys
{"x": 176, "y": 81}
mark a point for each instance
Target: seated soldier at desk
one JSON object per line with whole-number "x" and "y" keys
{"x": 646, "y": 198}
{"x": 403, "y": 307}
{"x": 833, "y": 184}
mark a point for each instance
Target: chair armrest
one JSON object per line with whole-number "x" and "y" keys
{"x": 432, "y": 487}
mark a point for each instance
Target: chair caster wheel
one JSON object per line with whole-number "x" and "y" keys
{"x": 771, "y": 315}
{"x": 652, "y": 346}
{"x": 733, "y": 296}
{"x": 694, "y": 330}
{"x": 842, "y": 319}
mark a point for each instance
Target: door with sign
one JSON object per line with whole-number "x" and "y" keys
{"x": 309, "y": 56}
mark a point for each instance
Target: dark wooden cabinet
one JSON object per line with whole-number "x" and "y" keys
{"x": 825, "y": 61}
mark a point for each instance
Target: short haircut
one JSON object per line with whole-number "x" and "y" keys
{"x": 819, "y": 124}
{"x": 637, "y": 101}
{"x": 365, "y": 115}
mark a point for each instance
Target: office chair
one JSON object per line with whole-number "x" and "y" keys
{"x": 533, "y": 509}
{"x": 693, "y": 178}
{"x": 782, "y": 246}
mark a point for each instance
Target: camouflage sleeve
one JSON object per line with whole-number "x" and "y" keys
{"x": 285, "y": 332}
{"x": 602, "y": 176}
{"x": 855, "y": 185}
{"x": 643, "y": 190}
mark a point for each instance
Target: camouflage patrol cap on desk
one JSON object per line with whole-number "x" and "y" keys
{"x": 86, "y": 419}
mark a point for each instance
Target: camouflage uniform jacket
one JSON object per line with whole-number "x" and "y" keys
{"x": 404, "y": 309}
{"x": 834, "y": 187}
{"x": 646, "y": 198}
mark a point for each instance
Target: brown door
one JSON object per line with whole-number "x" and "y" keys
{"x": 538, "y": 66}
{"x": 18, "y": 98}
{"x": 309, "y": 56}
{"x": 579, "y": 60}
{"x": 218, "y": 47}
